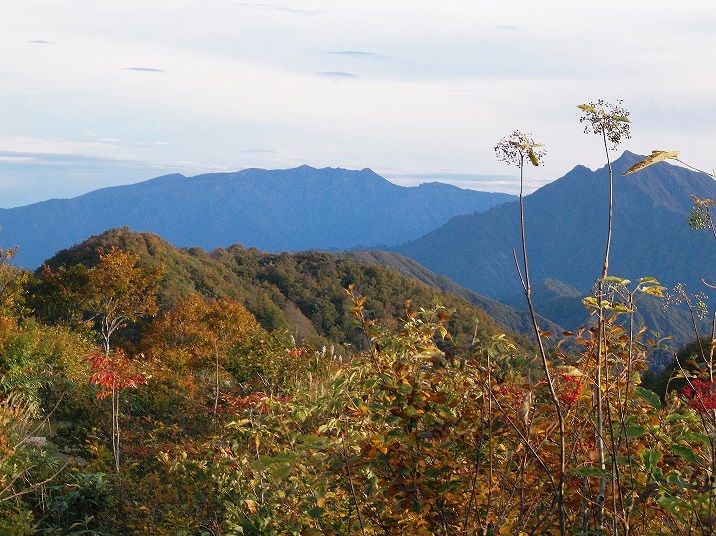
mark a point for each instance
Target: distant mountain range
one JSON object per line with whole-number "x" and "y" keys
{"x": 280, "y": 210}
{"x": 465, "y": 236}
{"x": 566, "y": 224}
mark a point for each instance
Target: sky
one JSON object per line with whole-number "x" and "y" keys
{"x": 101, "y": 93}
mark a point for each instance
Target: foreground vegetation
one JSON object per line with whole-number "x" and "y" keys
{"x": 146, "y": 391}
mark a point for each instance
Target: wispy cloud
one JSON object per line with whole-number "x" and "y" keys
{"x": 41, "y": 42}
{"x": 21, "y": 145}
{"x": 356, "y": 54}
{"x": 145, "y": 69}
{"x": 257, "y": 151}
{"x": 280, "y": 7}
{"x": 337, "y": 74}
{"x": 15, "y": 159}
{"x": 470, "y": 181}
{"x": 30, "y": 177}
{"x": 151, "y": 143}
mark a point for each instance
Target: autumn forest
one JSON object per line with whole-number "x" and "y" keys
{"x": 147, "y": 389}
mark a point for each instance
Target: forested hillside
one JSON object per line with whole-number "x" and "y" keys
{"x": 302, "y": 293}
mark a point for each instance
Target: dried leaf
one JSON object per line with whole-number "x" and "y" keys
{"x": 251, "y": 505}
{"x": 656, "y": 156}
{"x": 587, "y": 108}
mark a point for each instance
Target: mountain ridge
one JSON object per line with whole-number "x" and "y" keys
{"x": 566, "y": 222}
{"x": 275, "y": 210}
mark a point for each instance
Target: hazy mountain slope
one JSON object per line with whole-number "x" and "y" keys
{"x": 556, "y": 300}
{"x": 562, "y": 304}
{"x": 566, "y": 231}
{"x": 281, "y": 210}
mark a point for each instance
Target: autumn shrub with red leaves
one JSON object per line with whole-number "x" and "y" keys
{"x": 700, "y": 395}
{"x": 113, "y": 373}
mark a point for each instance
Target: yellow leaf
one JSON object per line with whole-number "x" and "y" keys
{"x": 587, "y": 108}
{"x": 251, "y": 505}
{"x": 568, "y": 370}
{"x": 656, "y": 156}
{"x": 655, "y": 290}
{"x": 533, "y": 158}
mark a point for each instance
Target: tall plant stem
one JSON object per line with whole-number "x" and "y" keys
{"x": 543, "y": 356}
{"x": 217, "y": 385}
{"x": 350, "y": 482}
{"x": 115, "y": 426}
{"x": 601, "y": 351}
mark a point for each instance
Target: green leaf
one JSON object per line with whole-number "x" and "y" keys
{"x": 669, "y": 503}
{"x": 679, "y": 417}
{"x": 686, "y": 453}
{"x": 678, "y": 481}
{"x": 621, "y": 118}
{"x": 647, "y": 280}
{"x": 695, "y": 437}
{"x": 410, "y": 411}
{"x": 590, "y": 302}
{"x": 589, "y": 471}
{"x": 635, "y": 430}
{"x": 405, "y": 388}
{"x": 617, "y": 280}
{"x": 650, "y": 459}
{"x": 650, "y": 397}
{"x": 316, "y": 512}
{"x": 533, "y": 158}
{"x": 587, "y": 108}
{"x": 279, "y": 472}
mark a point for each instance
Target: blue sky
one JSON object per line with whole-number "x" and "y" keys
{"x": 94, "y": 94}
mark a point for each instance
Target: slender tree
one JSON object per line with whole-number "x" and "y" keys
{"x": 119, "y": 291}
{"x": 611, "y": 123}
{"x": 516, "y": 149}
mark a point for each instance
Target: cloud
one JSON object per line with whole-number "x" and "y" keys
{"x": 145, "y": 69}
{"x": 337, "y": 74}
{"x": 41, "y": 42}
{"x": 16, "y": 159}
{"x": 471, "y": 181}
{"x": 279, "y": 7}
{"x": 27, "y": 178}
{"x": 257, "y": 151}
{"x": 355, "y": 54}
{"x": 151, "y": 144}
{"x": 21, "y": 145}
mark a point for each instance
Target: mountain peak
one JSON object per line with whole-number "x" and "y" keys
{"x": 275, "y": 210}
{"x": 566, "y": 225}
